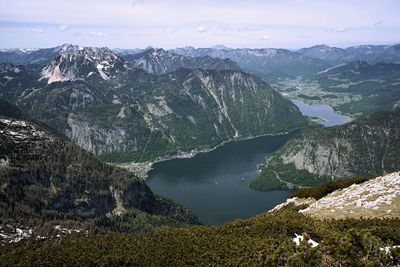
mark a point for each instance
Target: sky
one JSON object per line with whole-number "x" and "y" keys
{"x": 288, "y": 24}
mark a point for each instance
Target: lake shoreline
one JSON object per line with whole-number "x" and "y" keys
{"x": 142, "y": 169}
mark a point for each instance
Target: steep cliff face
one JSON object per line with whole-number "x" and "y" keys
{"x": 368, "y": 146}
{"x": 135, "y": 116}
{"x": 43, "y": 177}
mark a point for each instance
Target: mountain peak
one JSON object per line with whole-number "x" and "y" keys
{"x": 73, "y": 62}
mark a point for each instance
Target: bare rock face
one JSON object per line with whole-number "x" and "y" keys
{"x": 377, "y": 198}
{"x": 78, "y": 63}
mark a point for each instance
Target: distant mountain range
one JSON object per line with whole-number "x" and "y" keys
{"x": 268, "y": 63}
{"x": 123, "y": 113}
{"x": 372, "y": 54}
{"x": 159, "y": 61}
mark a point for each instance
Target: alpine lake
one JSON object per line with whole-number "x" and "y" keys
{"x": 215, "y": 185}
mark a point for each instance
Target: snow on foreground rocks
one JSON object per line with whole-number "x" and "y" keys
{"x": 13, "y": 233}
{"x": 295, "y": 201}
{"x": 299, "y": 238}
{"x": 379, "y": 197}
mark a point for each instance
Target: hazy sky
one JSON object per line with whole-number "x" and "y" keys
{"x": 199, "y": 23}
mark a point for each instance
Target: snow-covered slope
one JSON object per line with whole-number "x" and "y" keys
{"x": 379, "y": 197}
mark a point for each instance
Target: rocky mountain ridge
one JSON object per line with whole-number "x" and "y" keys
{"x": 372, "y": 54}
{"x": 79, "y": 63}
{"x": 159, "y": 61}
{"x": 267, "y": 63}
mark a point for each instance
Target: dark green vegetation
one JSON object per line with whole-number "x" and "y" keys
{"x": 377, "y": 86}
{"x": 125, "y": 114}
{"x": 367, "y": 146}
{"x": 319, "y": 191}
{"x": 45, "y": 178}
{"x": 263, "y": 240}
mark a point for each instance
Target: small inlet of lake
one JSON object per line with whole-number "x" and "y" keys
{"x": 215, "y": 185}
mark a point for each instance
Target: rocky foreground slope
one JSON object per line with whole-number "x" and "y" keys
{"x": 368, "y": 146}
{"x": 282, "y": 237}
{"x": 377, "y": 198}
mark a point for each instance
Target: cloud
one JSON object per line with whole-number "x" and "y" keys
{"x": 265, "y": 37}
{"x": 137, "y": 2}
{"x": 98, "y": 34}
{"x": 62, "y": 27}
{"x": 38, "y": 30}
{"x": 336, "y": 29}
{"x": 202, "y": 29}
{"x": 241, "y": 29}
{"x": 377, "y": 23}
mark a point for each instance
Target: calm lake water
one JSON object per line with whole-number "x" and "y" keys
{"x": 214, "y": 185}
{"x": 324, "y": 112}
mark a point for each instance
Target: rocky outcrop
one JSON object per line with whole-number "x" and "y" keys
{"x": 377, "y": 198}
{"x": 78, "y": 63}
